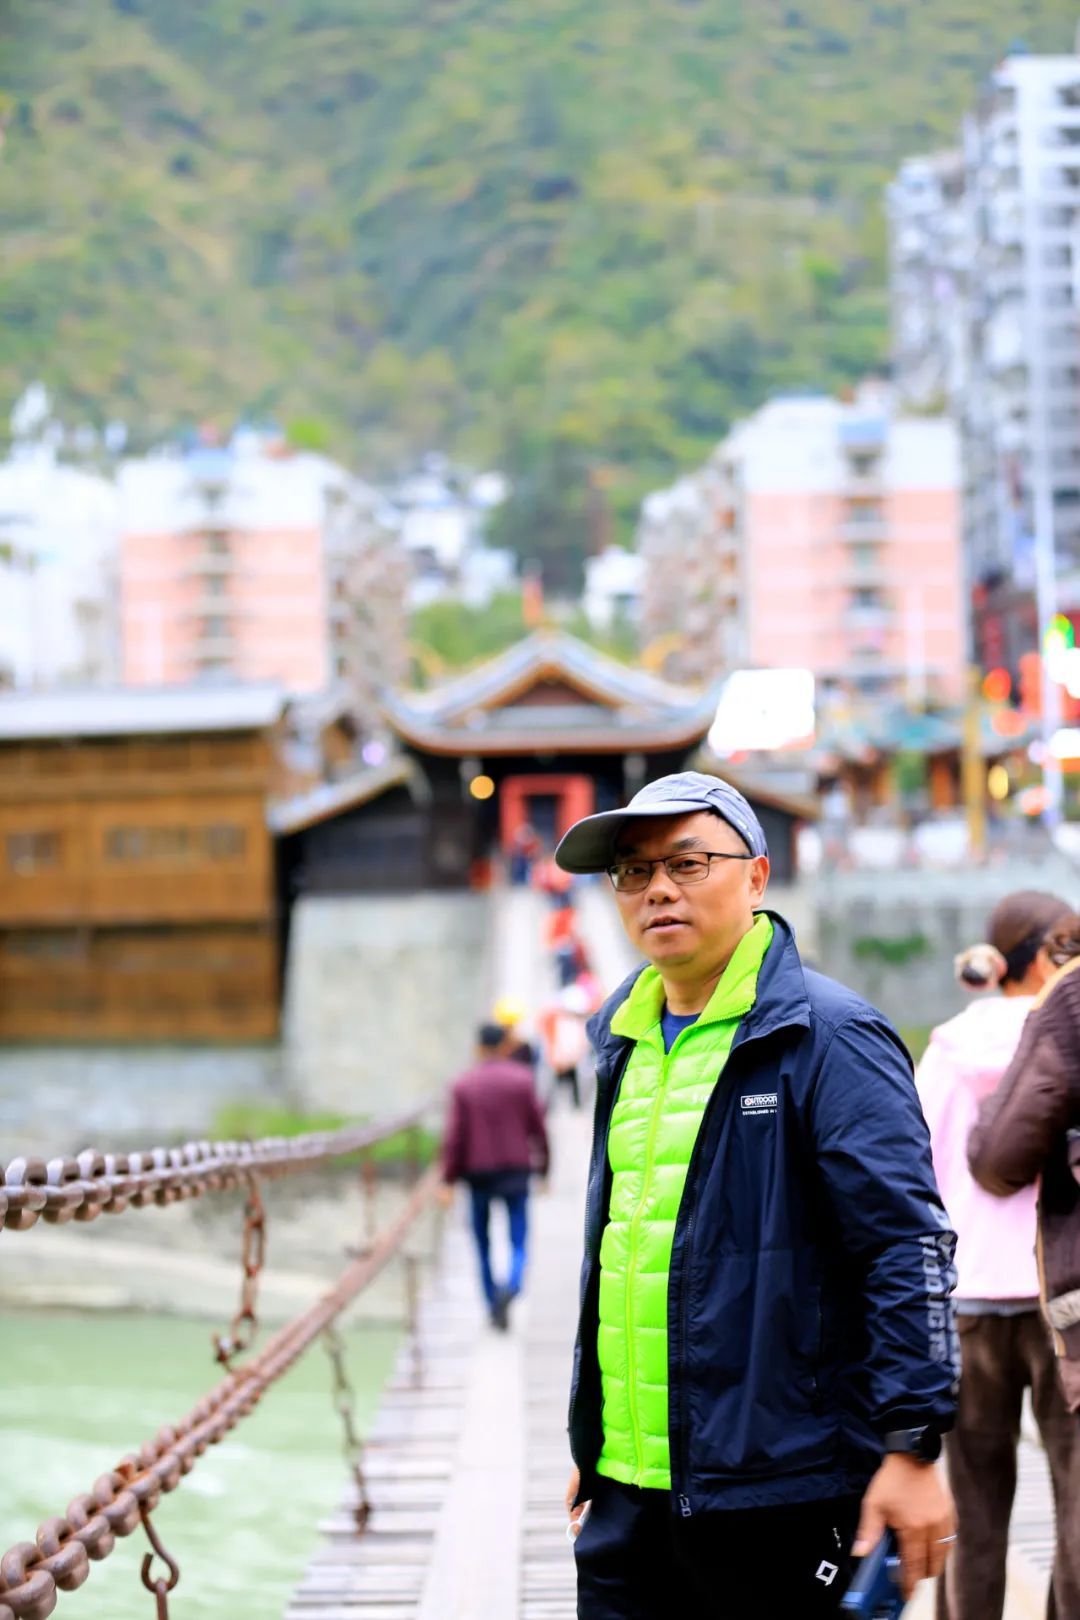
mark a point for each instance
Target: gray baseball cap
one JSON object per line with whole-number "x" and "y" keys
{"x": 588, "y": 846}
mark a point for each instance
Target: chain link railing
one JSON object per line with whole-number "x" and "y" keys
{"x": 93, "y": 1183}
{"x": 33, "y": 1573}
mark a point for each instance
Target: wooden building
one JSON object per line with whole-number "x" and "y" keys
{"x": 137, "y": 895}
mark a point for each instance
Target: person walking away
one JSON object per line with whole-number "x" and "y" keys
{"x": 1027, "y": 1132}
{"x": 524, "y": 848}
{"x": 495, "y": 1139}
{"x": 566, "y": 1045}
{"x": 552, "y": 881}
{"x": 509, "y": 1012}
{"x": 563, "y": 941}
{"x": 1004, "y": 1342}
{"x": 765, "y": 1360}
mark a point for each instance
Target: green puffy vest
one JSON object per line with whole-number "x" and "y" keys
{"x": 653, "y": 1130}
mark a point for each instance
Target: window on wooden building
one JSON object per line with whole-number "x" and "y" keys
{"x": 224, "y": 841}
{"x": 221, "y": 841}
{"x": 30, "y": 852}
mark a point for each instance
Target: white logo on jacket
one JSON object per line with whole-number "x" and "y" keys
{"x": 758, "y": 1102}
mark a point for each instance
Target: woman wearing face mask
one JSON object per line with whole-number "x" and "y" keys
{"x": 1005, "y": 1343}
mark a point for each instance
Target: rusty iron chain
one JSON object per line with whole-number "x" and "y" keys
{"x": 244, "y": 1325}
{"x": 351, "y": 1444}
{"x": 93, "y": 1183}
{"x": 162, "y": 1585}
{"x": 32, "y": 1573}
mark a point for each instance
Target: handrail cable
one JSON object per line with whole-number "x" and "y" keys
{"x": 93, "y": 1183}
{"x": 32, "y": 1573}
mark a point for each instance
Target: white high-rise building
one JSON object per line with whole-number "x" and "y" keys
{"x": 1020, "y": 403}
{"x": 58, "y": 598}
{"x": 928, "y": 269}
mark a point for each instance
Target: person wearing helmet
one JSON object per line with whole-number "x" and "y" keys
{"x": 509, "y": 1014}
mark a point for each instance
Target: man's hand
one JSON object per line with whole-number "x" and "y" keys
{"x": 446, "y": 1194}
{"x": 571, "y": 1491}
{"x": 911, "y": 1498}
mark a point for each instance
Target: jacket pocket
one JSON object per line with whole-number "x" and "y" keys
{"x": 759, "y": 1382}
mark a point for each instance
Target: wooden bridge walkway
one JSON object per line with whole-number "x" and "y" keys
{"x": 467, "y": 1461}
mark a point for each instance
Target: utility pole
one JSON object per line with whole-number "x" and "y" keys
{"x": 973, "y": 767}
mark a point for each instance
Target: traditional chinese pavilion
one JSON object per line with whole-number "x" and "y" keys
{"x": 544, "y": 733}
{"x": 550, "y": 730}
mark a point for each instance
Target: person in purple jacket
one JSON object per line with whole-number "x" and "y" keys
{"x": 495, "y": 1139}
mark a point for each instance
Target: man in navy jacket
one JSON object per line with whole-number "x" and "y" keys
{"x": 811, "y": 1348}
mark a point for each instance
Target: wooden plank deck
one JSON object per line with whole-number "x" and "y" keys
{"x": 467, "y": 1469}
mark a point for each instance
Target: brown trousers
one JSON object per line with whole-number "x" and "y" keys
{"x": 1001, "y": 1357}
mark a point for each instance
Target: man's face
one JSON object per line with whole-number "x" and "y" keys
{"x": 687, "y": 926}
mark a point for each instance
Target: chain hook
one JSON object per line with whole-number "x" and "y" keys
{"x": 161, "y": 1586}
{"x": 245, "y": 1323}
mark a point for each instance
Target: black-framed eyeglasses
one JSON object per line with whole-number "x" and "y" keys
{"x": 631, "y": 877}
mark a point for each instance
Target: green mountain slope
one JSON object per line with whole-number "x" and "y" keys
{"x": 575, "y": 233}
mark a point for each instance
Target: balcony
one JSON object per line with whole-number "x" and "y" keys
{"x": 860, "y": 574}
{"x": 214, "y": 642}
{"x": 209, "y": 603}
{"x": 862, "y": 485}
{"x": 866, "y": 620}
{"x": 205, "y": 563}
{"x": 869, "y": 528}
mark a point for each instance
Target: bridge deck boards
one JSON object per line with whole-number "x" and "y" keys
{"x": 439, "y": 1538}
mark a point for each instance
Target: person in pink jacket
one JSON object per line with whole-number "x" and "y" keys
{"x": 1005, "y": 1344}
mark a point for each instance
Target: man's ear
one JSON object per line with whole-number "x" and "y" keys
{"x": 759, "y": 877}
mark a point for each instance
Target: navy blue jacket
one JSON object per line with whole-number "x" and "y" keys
{"x": 808, "y": 1298}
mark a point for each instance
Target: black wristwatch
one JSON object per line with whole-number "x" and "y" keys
{"x": 924, "y": 1444}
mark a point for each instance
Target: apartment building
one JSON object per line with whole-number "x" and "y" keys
{"x": 985, "y": 287}
{"x": 250, "y": 562}
{"x": 823, "y": 534}
{"x": 1020, "y": 400}
{"x": 693, "y": 606}
{"x": 58, "y": 620}
{"x": 928, "y": 279}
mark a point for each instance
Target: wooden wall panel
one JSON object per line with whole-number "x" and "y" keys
{"x": 138, "y": 984}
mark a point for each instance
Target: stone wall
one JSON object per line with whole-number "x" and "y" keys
{"x": 383, "y": 996}
{"x": 60, "y": 1099}
{"x": 892, "y": 936}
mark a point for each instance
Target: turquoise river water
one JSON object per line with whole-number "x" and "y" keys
{"x": 77, "y": 1392}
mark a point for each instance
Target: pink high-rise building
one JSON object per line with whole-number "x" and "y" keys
{"x": 223, "y": 567}
{"x": 827, "y": 536}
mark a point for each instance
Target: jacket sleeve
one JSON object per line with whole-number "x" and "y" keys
{"x": 873, "y": 1153}
{"x": 1018, "y": 1123}
{"x": 453, "y": 1142}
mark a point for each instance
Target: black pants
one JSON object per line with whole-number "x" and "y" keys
{"x": 637, "y": 1561}
{"x": 568, "y": 1079}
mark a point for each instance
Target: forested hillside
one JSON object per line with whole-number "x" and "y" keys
{"x": 572, "y": 235}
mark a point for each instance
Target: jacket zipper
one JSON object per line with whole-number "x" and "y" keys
{"x": 599, "y": 1163}
{"x": 631, "y": 1261}
{"x": 691, "y": 1186}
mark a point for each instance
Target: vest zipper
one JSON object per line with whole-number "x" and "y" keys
{"x": 690, "y": 1186}
{"x": 599, "y": 1166}
{"x": 631, "y": 1265}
